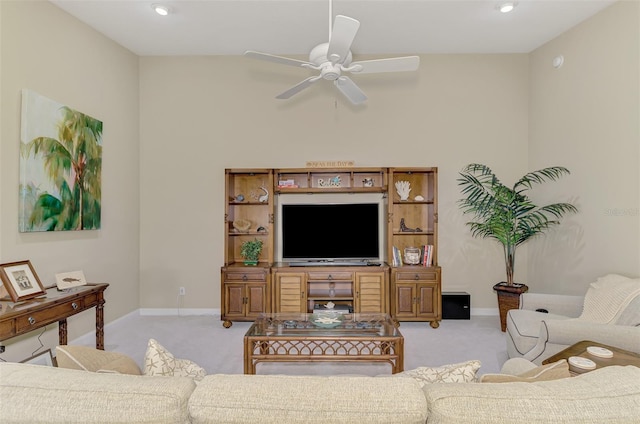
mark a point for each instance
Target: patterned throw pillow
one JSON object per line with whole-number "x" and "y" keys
{"x": 159, "y": 361}
{"x": 464, "y": 372}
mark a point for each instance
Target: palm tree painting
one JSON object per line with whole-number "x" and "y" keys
{"x": 60, "y": 167}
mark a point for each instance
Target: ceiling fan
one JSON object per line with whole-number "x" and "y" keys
{"x": 333, "y": 60}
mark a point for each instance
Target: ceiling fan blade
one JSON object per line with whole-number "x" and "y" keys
{"x": 298, "y": 87}
{"x": 277, "y": 59}
{"x": 350, "y": 90}
{"x": 395, "y": 64}
{"x": 342, "y": 36}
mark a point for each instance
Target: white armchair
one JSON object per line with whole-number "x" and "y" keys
{"x": 536, "y": 335}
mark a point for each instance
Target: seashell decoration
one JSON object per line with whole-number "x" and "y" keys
{"x": 242, "y": 225}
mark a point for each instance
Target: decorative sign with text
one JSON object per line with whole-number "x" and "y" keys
{"x": 329, "y": 182}
{"x": 331, "y": 164}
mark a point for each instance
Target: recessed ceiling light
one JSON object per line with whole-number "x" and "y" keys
{"x": 506, "y": 7}
{"x": 160, "y": 9}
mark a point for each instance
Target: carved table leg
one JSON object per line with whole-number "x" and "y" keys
{"x": 100, "y": 325}
{"x": 62, "y": 331}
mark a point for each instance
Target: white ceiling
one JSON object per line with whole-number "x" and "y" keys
{"x": 287, "y": 27}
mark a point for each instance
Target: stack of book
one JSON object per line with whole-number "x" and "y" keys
{"x": 397, "y": 257}
{"x": 427, "y": 255}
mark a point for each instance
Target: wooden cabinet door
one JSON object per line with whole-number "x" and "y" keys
{"x": 290, "y": 292}
{"x": 234, "y": 300}
{"x": 426, "y": 300}
{"x": 405, "y": 300}
{"x": 370, "y": 293}
{"x": 256, "y": 300}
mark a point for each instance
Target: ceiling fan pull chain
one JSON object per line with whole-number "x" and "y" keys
{"x": 330, "y": 17}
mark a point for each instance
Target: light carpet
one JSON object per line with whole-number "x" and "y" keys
{"x": 218, "y": 350}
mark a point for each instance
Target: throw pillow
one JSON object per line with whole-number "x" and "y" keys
{"x": 553, "y": 371}
{"x": 159, "y": 361}
{"x": 464, "y": 372}
{"x": 89, "y": 359}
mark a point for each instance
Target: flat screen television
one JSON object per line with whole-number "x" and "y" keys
{"x": 343, "y": 232}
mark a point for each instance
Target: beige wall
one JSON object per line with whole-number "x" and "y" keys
{"x": 202, "y": 114}
{"x": 173, "y": 124}
{"x": 585, "y": 116}
{"x": 46, "y": 50}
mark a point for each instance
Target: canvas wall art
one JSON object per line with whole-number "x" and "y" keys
{"x": 60, "y": 167}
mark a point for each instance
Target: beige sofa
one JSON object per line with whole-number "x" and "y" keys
{"x": 36, "y": 394}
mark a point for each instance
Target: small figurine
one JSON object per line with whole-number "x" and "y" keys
{"x": 405, "y": 229}
{"x": 265, "y": 197}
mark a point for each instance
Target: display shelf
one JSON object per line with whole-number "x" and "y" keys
{"x": 413, "y": 222}
{"x": 361, "y": 180}
{"x": 249, "y": 197}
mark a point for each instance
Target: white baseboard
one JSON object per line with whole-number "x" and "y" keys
{"x": 178, "y": 312}
{"x": 485, "y": 311}
{"x": 90, "y": 337}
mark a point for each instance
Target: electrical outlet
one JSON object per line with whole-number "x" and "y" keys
{"x": 182, "y": 291}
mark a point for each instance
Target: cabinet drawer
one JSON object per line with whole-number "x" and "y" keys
{"x": 48, "y": 316}
{"x": 416, "y": 276}
{"x": 329, "y": 276}
{"x": 245, "y": 276}
{"x": 90, "y": 300}
{"x": 7, "y": 329}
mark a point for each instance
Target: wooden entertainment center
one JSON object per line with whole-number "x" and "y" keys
{"x": 408, "y": 292}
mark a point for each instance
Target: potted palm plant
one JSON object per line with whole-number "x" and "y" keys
{"x": 250, "y": 250}
{"x": 508, "y": 215}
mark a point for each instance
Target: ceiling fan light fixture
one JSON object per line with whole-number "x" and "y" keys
{"x": 161, "y": 9}
{"x": 507, "y": 7}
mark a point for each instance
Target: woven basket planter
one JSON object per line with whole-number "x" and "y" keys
{"x": 508, "y": 298}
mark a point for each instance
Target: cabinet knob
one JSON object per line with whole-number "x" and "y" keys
{"x": 74, "y": 305}
{"x": 417, "y": 277}
{"x": 357, "y": 294}
{"x": 330, "y": 277}
{"x": 32, "y": 320}
{"x": 244, "y": 277}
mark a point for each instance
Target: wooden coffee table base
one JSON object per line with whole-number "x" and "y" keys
{"x": 620, "y": 356}
{"x": 288, "y": 349}
{"x": 378, "y": 341}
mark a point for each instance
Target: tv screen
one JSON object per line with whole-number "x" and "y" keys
{"x": 330, "y": 231}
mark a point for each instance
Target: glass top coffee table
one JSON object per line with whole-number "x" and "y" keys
{"x": 323, "y": 337}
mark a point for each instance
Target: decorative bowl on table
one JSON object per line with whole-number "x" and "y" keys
{"x": 327, "y": 320}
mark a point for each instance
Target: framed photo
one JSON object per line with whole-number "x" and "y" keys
{"x": 21, "y": 280}
{"x": 43, "y": 358}
{"x": 67, "y": 280}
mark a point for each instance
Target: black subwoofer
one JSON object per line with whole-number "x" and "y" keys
{"x": 456, "y": 305}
